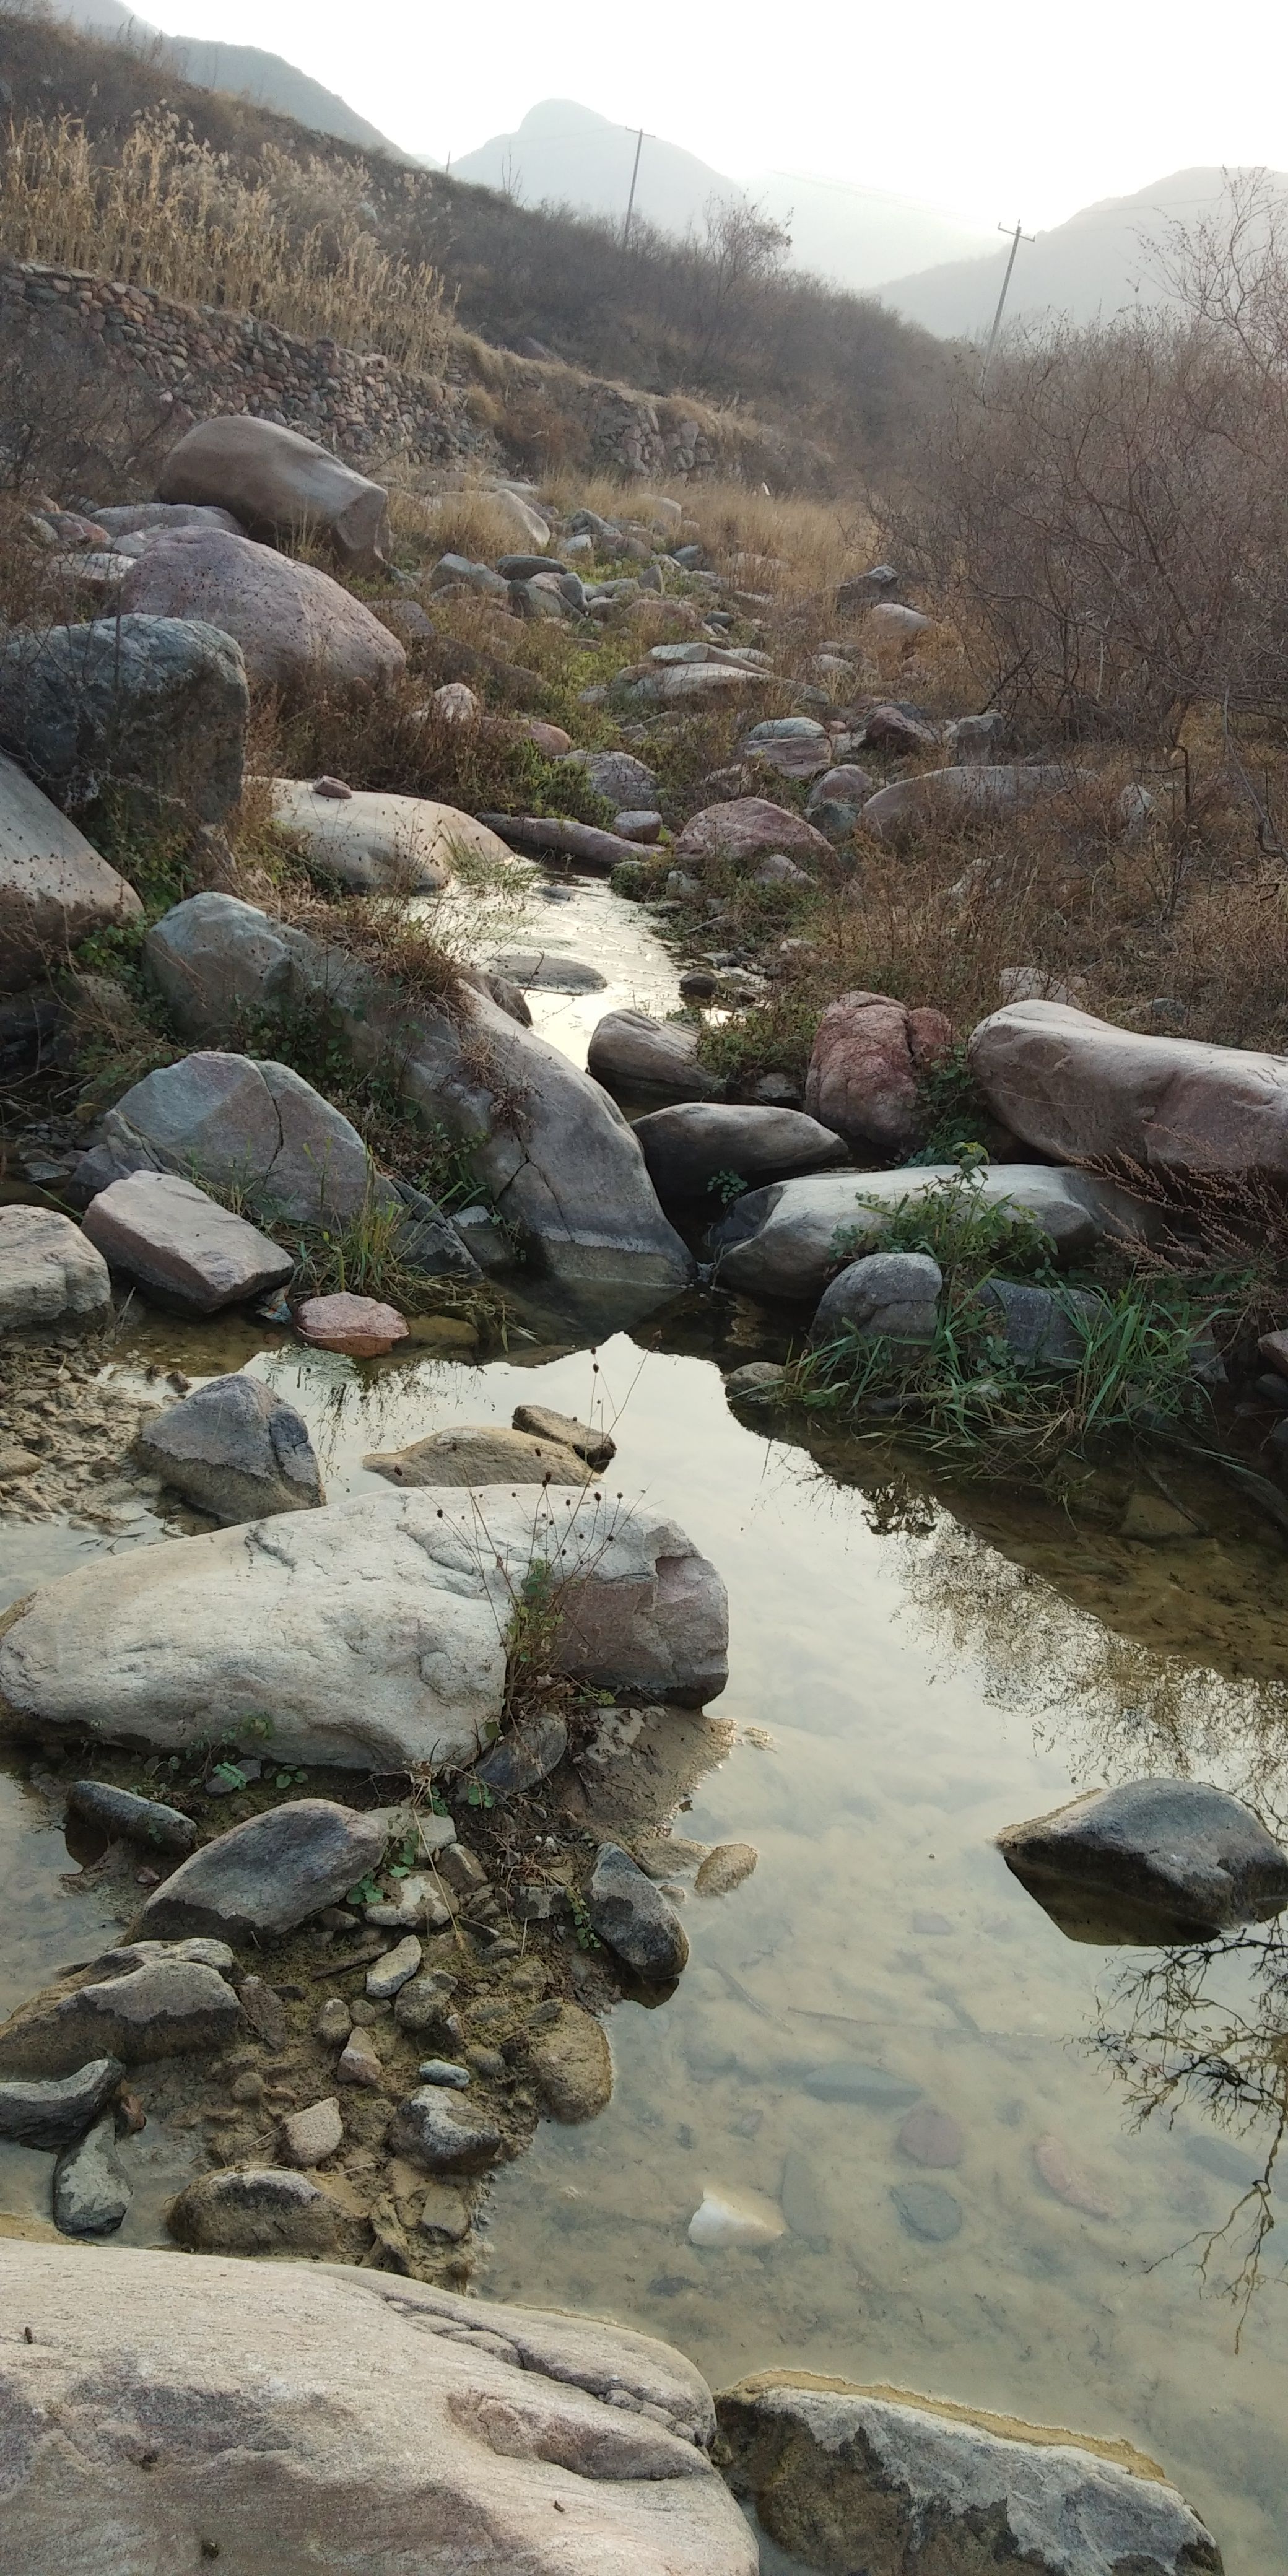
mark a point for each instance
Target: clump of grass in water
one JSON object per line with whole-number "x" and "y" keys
{"x": 965, "y": 1396}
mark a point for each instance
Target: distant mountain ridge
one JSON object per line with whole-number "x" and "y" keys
{"x": 563, "y": 154}
{"x": 243, "y": 70}
{"x": 1097, "y": 264}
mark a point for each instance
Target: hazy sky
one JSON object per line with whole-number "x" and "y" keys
{"x": 1010, "y": 110}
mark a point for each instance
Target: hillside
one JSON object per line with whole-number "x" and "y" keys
{"x": 1093, "y": 265}
{"x": 722, "y": 323}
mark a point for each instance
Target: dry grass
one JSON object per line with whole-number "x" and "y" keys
{"x": 164, "y": 210}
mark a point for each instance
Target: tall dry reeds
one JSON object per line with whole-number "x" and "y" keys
{"x": 289, "y": 242}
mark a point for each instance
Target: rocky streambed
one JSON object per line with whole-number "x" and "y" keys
{"x": 882, "y": 2126}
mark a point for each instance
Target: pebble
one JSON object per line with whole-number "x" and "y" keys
{"x": 429, "y": 2134}
{"x": 334, "y": 2022}
{"x": 395, "y": 1970}
{"x": 931, "y": 2138}
{"x": 359, "y": 2061}
{"x": 1069, "y": 2180}
{"x": 441, "y": 2070}
{"x": 264, "y": 2010}
{"x": 445, "y": 2211}
{"x": 310, "y": 2135}
{"x": 927, "y": 2210}
{"x": 725, "y": 1868}
{"x": 247, "y": 2088}
{"x": 741, "y": 2218}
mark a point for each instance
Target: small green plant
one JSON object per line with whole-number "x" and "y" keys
{"x": 366, "y": 1892}
{"x": 968, "y": 1234}
{"x": 230, "y": 1774}
{"x": 478, "y": 1794}
{"x": 531, "y": 1632}
{"x": 289, "y": 1779}
{"x": 725, "y": 1187}
{"x": 951, "y": 1110}
{"x": 586, "y": 1937}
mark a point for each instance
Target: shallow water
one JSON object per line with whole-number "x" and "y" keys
{"x": 566, "y": 915}
{"x": 921, "y": 1687}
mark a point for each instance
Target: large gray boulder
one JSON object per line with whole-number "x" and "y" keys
{"x": 51, "y": 1279}
{"x": 236, "y": 1449}
{"x": 238, "y": 1124}
{"x": 646, "y": 1059}
{"x": 555, "y": 1155}
{"x": 167, "y": 2007}
{"x": 850, "y": 2478}
{"x": 278, "y": 484}
{"x": 973, "y": 793}
{"x": 152, "y": 703}
{"x": 376, "y": 844}
{"x": 618, "y": 776}
{"x": 1069, "y": 1084}
{"x": 1042, "y": 1329}
{"x": 181, "y": 1246}
{"x": 696, "y": 1142}
{"x": 297, "y": 628}
{"x": 379, "y": 2424}
{"x": 889, "y": 1295}
{"x": 1190, "y": 1854}
{"x": 262, "y": 1878}
{"x": 786, "y": 1241}
{"x": 373, "y": 1630}
{"x": 54, "y": 888}
{"x": 746, "y": 828}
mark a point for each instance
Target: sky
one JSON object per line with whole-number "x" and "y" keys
{"x": 1017, "y": 112}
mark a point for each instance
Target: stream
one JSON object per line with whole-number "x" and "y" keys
{"x": 910, "y": 1672}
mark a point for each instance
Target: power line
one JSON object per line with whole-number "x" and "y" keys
{"x": 1019, "y": 236}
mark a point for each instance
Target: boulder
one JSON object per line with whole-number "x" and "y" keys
{"x": 56, "y": 2111}
{"x": 890, "y": 624}
{"x": 259, "y": 1880}
{"x": 1190, "y": 1855}
{"x": 155, "y": 518}
{"x": 361, "y": 1328}
{"x": 122, "y": 1813}
{"x": 633, "y": 1054}
{"x": 1037, "y": 1326}
{"x": 573, "y": 2065}
{"x": 296, "y": 627}
{"x": 893, "y": 1295}
{"x": 168, "y": 2007}
{"x": 54, "y": 888}
{"x": 845, "y": 2478}
{"x": 238, "y": 1124}
{"x": 157, "y": 704}
{"x": 866, "y": 1064}
{"x": 375, "y": 844}
{"x": 631, "y": 1914}
{"x": 91, "y": 2194}
{"x": 795, "y": 757}
{"x": 1069, "y": 1084}
{"x": 480, "y": 1453}
{"x": 51, "y": 1279}
{"x": 618, "y": 776}
{"x": 545, "y": 970}
{"x": 278, "y": 484}
{"x": 372, "y": 1630}
{"x": 786, "y": 1240}
{"x": 377, "y": 2423}
{"x": 260, "y": 2209}
{"x": 749, "y": 828}
{"x": 427, "y": 2130}
{"x": 236, "y": 1449}
{"x": 845, "y": 785}
{"x": 696, "y": 684}
{"x": 590, "y": 1441}
{"x": 182, "y": 1247}
{"x": 694, "y": 1143}
{"x": 556, "y": 1157}
{"x": 975, "y": 792}
{"x": 895, "y": 727}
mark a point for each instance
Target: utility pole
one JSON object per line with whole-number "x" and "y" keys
{"x": 1019, "y": 236}
{"x": 630, "y": 202}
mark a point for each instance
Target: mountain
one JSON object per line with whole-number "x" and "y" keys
{"x": 564, "y": 154}
{"x": 243, "y": 70}
{"x": 1097, "y": 263}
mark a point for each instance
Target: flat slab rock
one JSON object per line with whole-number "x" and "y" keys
{"x": 181, "y": 1246}
{"x": 51, "y": 1279}
{"x": 263, "y": 1877}
{"x": 1071, "y": 1085}
{"x": 373, "y": 1629}
{"x": 1192, "y": 1854}
{"x": 480, "y": 1453}
{"x": 846, "y": 2478}
{"x": 469, "y": 2421}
